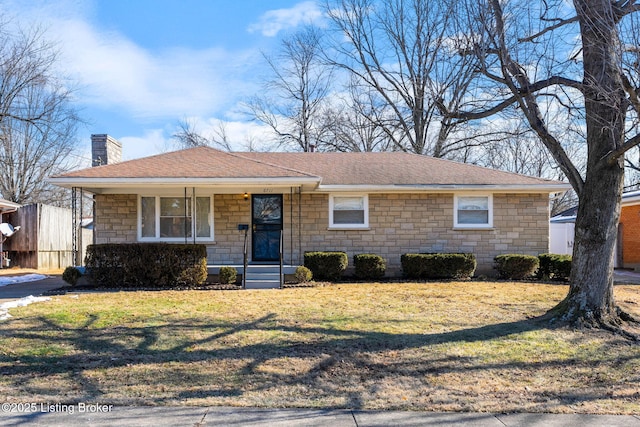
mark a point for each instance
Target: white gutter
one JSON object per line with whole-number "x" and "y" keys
{"x": 447, "y": 188}
{"x": 8, "y": 207}
{"x": 179, "y": 182}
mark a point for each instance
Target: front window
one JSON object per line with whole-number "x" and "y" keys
{"x": 473, "y": 211}
{"x": 349, "y": 211}
{"x": 175, "y": 219}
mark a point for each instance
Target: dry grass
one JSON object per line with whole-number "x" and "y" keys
{"x": 469, "y": 346}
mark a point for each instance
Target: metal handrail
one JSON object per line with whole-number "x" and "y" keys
{"x": 245, "y": 262}
{"x": 281, "y": 258}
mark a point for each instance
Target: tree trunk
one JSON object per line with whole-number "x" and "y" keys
{"x": 590, "y": 300}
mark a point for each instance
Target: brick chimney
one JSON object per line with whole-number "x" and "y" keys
{"x": 105, "y": 150}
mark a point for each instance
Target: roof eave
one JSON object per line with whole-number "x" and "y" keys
{"x": 447, "y": 188}
{"x": 7, "y": 206}
{"x": 99, "y": 184}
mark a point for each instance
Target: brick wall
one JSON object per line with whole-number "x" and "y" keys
{"x": 630, "y": 230}
{"x": 399, "y": 223}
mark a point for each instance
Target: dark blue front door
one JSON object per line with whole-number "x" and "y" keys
{"x": 267, "y": 225}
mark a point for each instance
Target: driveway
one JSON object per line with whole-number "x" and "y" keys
{"x": 626, "y": 277}
{"x": 16, "y": 291}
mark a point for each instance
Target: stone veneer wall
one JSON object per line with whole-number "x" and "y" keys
{"x": 116, "y": 219}
{"x": 402, "y": 223}
{"x": 399, "y": 223}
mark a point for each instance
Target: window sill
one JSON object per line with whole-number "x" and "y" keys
{"x": 478, "y": 228}
{"x": 352, "y": 228}
{"x": 181, "y": 241}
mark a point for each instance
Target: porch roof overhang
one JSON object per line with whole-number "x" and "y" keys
{"x": 163, "y": 184}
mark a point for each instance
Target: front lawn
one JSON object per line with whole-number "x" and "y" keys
{"x": 462, "y": 346}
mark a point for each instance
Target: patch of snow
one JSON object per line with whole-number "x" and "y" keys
{"x": 9, "y": 280}
{"x": 4, "y": 308}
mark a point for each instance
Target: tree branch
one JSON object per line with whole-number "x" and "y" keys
{"x": 562, "y": 22}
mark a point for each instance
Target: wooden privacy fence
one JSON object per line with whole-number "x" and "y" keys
{"x": 45, "y": 237}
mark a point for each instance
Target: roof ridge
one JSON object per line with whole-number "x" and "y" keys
{"x": 287, "y": 168}
{"x": 486, "y": 168}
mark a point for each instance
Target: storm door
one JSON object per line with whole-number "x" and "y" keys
{"x": 267, "y": 225}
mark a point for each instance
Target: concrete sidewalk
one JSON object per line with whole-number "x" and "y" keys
{"x": 78, "y": 415}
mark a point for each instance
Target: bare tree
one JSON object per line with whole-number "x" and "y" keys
{"x": 352, "y": 122}
{"x": 546, "y": 56}
{"x": 402, "y": 51}
{"x": 187, "y": 136}
{"x": 37, "y": 122}
{"x": 296, "y": 91}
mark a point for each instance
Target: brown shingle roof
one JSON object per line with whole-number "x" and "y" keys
{"x": 199, "y": 162}
{"x": 392, "y": 168}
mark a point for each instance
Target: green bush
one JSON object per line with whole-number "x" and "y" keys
{"x": 326, "y": 265}
{"x": 516, "y": 266}
{"x": 71, "y": 275}
{"x": 160, "y": 265}
{"x": 303, "y": 274}
{"x": 227, "y": 275}
{"x": 438, "y": 266}
{"x": 554, "y": 267}
{"x": 369, "y": 266}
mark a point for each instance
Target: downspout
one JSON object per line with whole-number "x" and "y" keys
{"x": 194, "y": 214}
{"x": 185, "y": 215}
{"x": 300, "y": 258}
{"x": 291, "y": 230}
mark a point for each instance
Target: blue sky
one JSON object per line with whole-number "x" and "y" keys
{"x": 143, "y": 65}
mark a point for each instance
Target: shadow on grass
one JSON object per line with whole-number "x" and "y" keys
{"x": 337, "y": 360}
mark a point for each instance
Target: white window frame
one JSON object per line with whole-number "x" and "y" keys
{"x": 365, "y": 198}
{"x": 456, "y": 200}
{"x": 157, "y": 237}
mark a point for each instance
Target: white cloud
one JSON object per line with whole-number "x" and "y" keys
{"x": 114, "y": 72}
{"x": 274, "y": 21}
{"x": 152, "y": 142}
{"x": 117, "y": 73}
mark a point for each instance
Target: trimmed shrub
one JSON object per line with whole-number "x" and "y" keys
{"x": 158, "y": 265}
{"x": 303, "y": 274}
{"x": 326, "y": 265}
{"x": 516, "y": 266}
{"x": 369, "y": 266}
{"x": 438, "y": 266}
{"x": 554, "y": 267}
{"x": 71, "y": 275}
{"x": 227, "y": 275}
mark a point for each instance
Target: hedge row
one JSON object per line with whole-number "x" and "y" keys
{"x": 438, "y": 266}
{"x": 369, "y": 266}
{"x": 160, "y": 265}
{"x": 554, "y": 267}
{"x": 326, "y": 265}
{"x": 544, "y": 266}
{"x": 515, "y": 266}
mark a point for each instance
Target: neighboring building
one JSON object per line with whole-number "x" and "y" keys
{"x": 629, "y": 231}
{"x": 6, "y": 207}
{"x": 562, "y": 232}
{"x": 628, "y": 243}
{"x": 383, "y": 203}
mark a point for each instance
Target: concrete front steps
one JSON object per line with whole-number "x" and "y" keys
{"x": 259, "y": 276}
